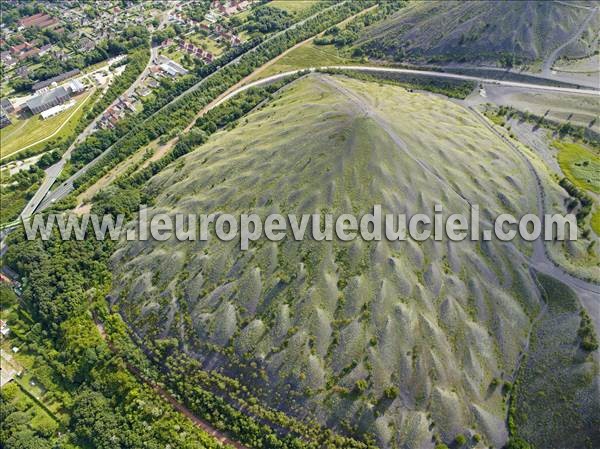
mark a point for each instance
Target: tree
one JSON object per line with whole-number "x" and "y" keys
{"x": 391, "y": 392}
{"x": 361, "y": 386}
{"x": 8, "y": 298}
{"x": 518, "y": 443}
{"x": 95, "y": 422}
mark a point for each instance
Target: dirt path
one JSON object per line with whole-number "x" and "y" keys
{"x": 255, "y": 75}
{"x": 218, "y": 435}
{"x": 552, "y": 57}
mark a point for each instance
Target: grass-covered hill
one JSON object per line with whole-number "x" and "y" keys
{"x": 503, "y": 32}
{"x": 409, "y": 341}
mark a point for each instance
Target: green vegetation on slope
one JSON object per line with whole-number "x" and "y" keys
{"x": 579, "y": 164}
{"x": 99, "y": 401}
{"x": 450, "y": 88}
{"x": 595, "y": 221}
{"x": 322, "y": 329}
{"x": 333, "y": 46}
{"x": 308, "y": 55}
{"x": 506, "y": 33}
{"x": 554, "y": 401}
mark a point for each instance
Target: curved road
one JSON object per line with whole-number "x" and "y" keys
{"x": 67, "y": 186}
{"x": 587, "y": 291}
{"x": 540, "y": 260}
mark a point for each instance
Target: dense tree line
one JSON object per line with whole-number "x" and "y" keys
{"x": 586, "y": 134}
{"x": 108, "y": 407}
{"x": 451, "y": 88}
{"x": 579, "y": 198}
{"x": 16, "y": 190}
{"x": 268, "y": 20}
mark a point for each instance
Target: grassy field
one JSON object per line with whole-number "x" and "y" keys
{"x": 172, "y": 52}
{"x": 308, "y": 55}
{"x": 579, "y": 164}
{"x": 22, "y": 133}
{"x": 595, "y": 221}
{"x": 293, "y": 6}
{"x": 207, "y": 44}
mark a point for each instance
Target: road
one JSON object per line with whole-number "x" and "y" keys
{"x": 552, "y": 57}
{"x": 53, "y": 172}
{"x": 67, "y": 187}
{"x": 540, "y": 261}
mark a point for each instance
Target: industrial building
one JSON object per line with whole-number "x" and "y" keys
{"x": 56, "y": 79}
{"x": 54, "y": 97}
{"x": 47, "y": 100}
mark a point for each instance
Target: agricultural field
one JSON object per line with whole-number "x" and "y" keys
{"x": 24, "y": 133}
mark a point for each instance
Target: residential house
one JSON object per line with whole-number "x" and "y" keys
{"x": 22, "y": 72}
{"x": 4, "y": 119}
{"x": 86, "y": 44}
